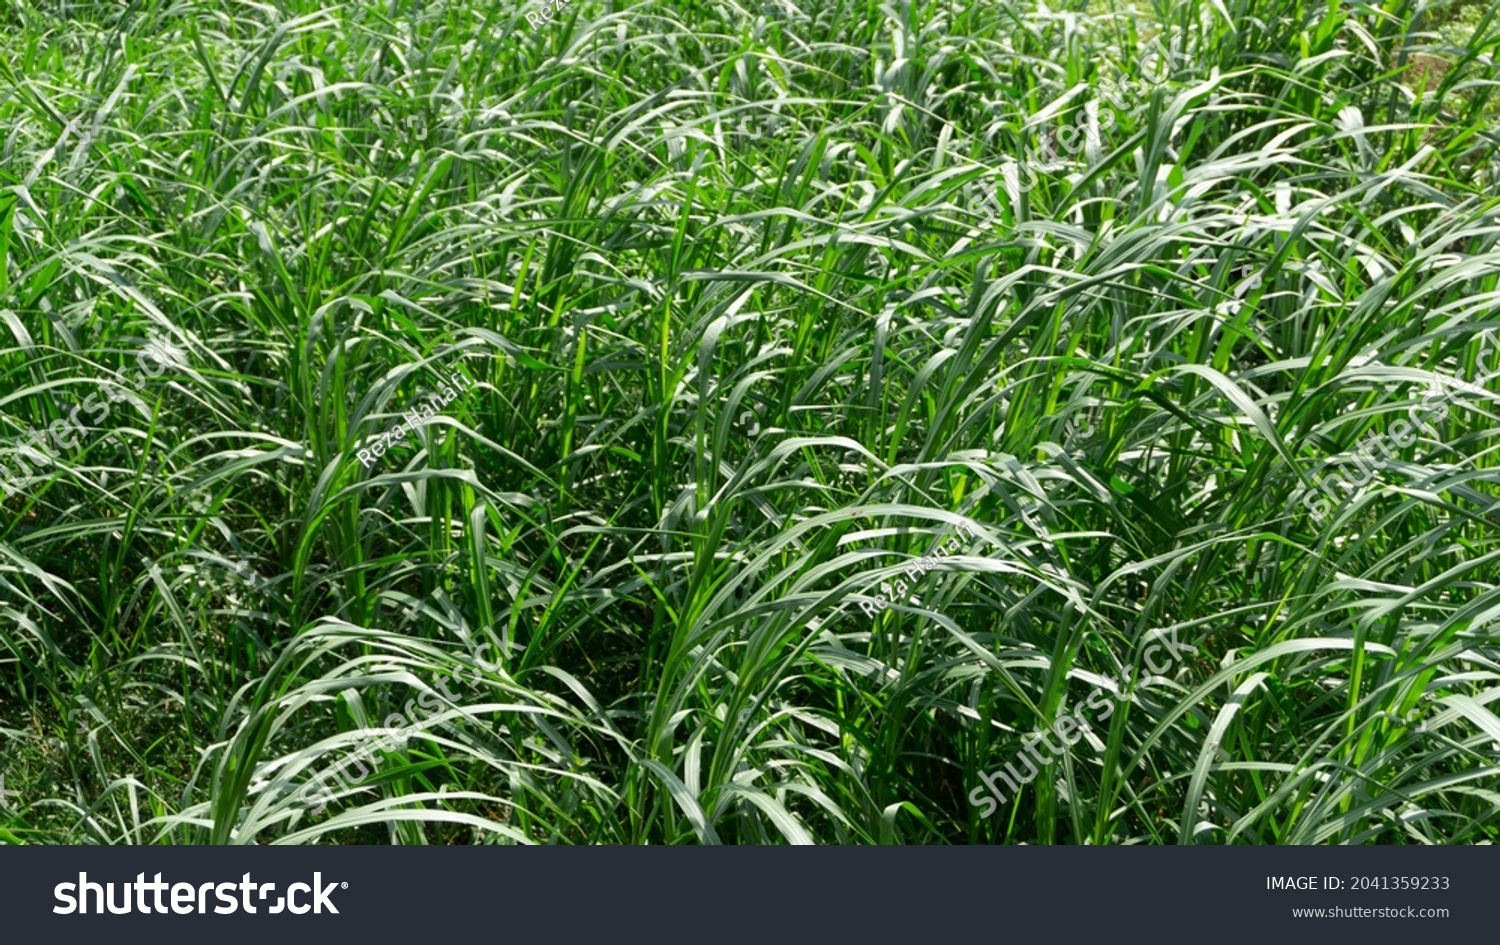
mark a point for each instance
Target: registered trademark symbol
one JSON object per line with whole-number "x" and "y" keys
{"x": 344, "y": 885}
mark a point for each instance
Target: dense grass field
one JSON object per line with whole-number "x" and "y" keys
{"x": 725, "y": 314}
